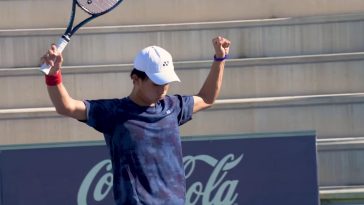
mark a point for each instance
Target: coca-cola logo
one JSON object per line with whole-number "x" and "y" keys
{"x": 103, "y": 185}
{"x": 224, "y": 189}
{"x": 218, "y": 189}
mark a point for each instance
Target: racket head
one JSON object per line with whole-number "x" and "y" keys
{"x": 97, "y": 7}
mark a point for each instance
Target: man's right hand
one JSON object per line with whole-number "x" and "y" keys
{"x": 53, "y": 58}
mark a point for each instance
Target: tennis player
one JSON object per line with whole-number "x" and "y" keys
{"x": 142, "y": 129}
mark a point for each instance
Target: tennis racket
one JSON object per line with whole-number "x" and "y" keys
{"x": 94, "y": 8}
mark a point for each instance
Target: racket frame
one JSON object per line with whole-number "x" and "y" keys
{"x": 66, "y": 37}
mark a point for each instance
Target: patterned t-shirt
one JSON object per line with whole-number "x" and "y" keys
{"x": 145, "y": 148}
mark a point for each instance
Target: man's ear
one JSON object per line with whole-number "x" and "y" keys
{"x": 134, "y": 78}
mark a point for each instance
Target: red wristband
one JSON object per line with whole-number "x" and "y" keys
{"x": 52, "y": 80}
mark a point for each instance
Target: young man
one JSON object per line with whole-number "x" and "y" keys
{"x": 142, "y": 129}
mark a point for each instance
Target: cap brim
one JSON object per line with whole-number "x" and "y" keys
{"x": 164, "y": 77}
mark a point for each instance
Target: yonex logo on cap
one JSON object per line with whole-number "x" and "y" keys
{"x": 165, "y": 63}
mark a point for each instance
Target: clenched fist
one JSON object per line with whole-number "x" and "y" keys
{"x": 221, "y": 46}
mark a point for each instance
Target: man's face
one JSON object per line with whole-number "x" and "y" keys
{"x": 150, "y": 92}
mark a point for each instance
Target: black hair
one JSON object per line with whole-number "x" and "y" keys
{"x": 140, "y": 74}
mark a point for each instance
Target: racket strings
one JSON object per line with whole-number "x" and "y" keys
{"x": 97, "y": 6}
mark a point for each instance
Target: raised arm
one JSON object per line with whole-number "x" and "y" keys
{"x": 212, "y": 85}
{"x": 62, "y": 101}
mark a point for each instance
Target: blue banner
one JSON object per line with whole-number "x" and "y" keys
{"x": 257, "y": 169}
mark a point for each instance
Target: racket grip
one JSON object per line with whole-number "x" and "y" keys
{"x": 61, "y": 44}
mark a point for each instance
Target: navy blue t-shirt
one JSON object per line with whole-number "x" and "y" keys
{"x": 145, "y": 148}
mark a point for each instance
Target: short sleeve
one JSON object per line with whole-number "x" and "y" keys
{"x": 186, "y": 109}
{"x": 101, "y": 114}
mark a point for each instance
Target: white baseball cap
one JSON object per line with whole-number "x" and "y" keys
{"x": 157, "y": 64}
